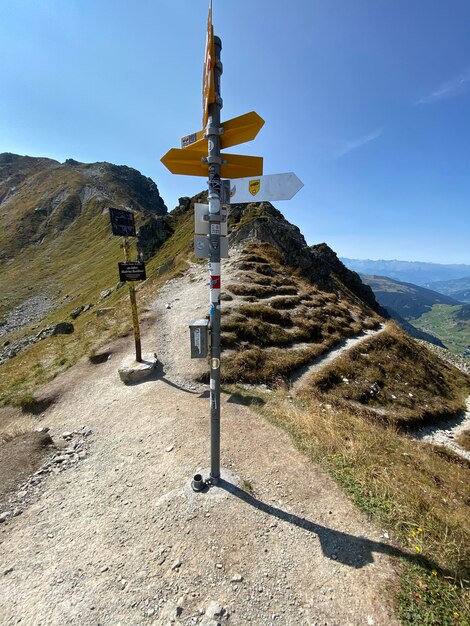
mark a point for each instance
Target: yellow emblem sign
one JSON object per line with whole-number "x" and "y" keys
{"x": 254, "y": 186}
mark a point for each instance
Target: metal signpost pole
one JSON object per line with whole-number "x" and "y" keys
{"x": 135, "y": 317}
{"x": 214, "y": 160}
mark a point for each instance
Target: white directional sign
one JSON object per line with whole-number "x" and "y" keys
{"x": 264, "y": 188}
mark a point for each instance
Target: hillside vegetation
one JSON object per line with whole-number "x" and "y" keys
{"x": 54, "y": 222}
{"x": 399, "y": 381}
{"x": 274, "y": 320}
{"x": 108, "y": 318}
{"x": 284, "y": 304}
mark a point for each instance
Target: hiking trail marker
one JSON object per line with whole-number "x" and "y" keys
{"x": 123, "y": 225}
{"x": 132, "y": 271}
{"x": 200, "y": 155}
{"x": 264, "y": 188}
{"x": 234, "y": 132}
{"x": 195, "y": 163}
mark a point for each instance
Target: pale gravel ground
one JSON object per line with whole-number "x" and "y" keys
{"x": 445, "y": 433}
{"x": 306, "y": 555}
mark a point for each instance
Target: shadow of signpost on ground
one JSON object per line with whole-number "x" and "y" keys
{"x": 342, "y": 547}
{"x": 158, "y": 373}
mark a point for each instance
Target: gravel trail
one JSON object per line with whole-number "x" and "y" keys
{"x": 300, "y": 377}
{"x": 119, "y": 538}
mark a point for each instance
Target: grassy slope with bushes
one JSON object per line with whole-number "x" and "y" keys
{"x": 390, "y": 372}
{"x": 275, "y": 321}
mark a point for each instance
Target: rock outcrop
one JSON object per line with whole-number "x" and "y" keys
{"x": 42, "y": 197}
{"x": 319, "y": 263}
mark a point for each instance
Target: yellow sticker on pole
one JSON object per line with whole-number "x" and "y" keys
{"x": 208, "y": 81}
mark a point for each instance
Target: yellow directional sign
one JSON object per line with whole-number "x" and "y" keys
{"x": 208, "y": 79}
{"x": 237, "y": 130}
{"x": 190, "y": 162}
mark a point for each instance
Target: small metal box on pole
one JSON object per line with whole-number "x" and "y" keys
{"x": 199, "y": 336}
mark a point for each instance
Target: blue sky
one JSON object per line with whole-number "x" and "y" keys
{"x": 367, "y": 101}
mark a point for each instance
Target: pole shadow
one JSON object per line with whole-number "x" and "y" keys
{"x": 356, "y": 552}
{"x": 158, "y": 373}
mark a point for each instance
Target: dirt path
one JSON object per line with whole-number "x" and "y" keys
{"x": 119, "y": 538}
{"x": 300, "y": 377}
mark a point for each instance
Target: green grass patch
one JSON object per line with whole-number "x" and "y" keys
{"x": 463, "y": 439}
{"x": 447, "y": 324}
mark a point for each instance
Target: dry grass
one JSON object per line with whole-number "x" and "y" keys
{"x": 393, "y": 374}
{"x": 257, "y": 365}
{"x": 419, "y": 492}
{"x": 12, "y": 428}
{"x": 417, "y": 486}
{"x": 464, "y": 439}
{"x": 252, "y": 289}
{"x": 265, "y": 313}
{"x": 285, "y": 302}
{"x": 286, "y": 310}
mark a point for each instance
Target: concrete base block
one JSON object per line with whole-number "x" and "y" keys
{"x": 130, "y": 371}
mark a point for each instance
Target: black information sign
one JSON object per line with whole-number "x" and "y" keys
{"x": 134, "y": 270}
{"x": 122, "y": 223}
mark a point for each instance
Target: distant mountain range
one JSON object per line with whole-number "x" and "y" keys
{"x": 416, "y": 272}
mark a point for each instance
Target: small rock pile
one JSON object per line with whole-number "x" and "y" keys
{"x": 26, "y": 313}
{"x": 460, "y": 362}
{"x": 11, "y": 349}
{"x": 59, "y": 461}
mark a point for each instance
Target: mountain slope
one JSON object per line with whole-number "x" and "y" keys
{"x": 54, "y": 221}
{"x": 437, "y": 318}
{"x": 284, "y": 302}
{"x": 459, "y": 288}
{"x": 409, "y": 300}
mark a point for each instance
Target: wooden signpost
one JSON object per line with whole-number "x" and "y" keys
{"x": 123, "y": 225}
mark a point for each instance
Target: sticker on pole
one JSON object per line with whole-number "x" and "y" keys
{"x": 215, "y": 282}
{"x": 203, "y": 225}
{"x": 122, "y": 223}
{"x": 133, "y": 270}
{"x": 202, "y": 247}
